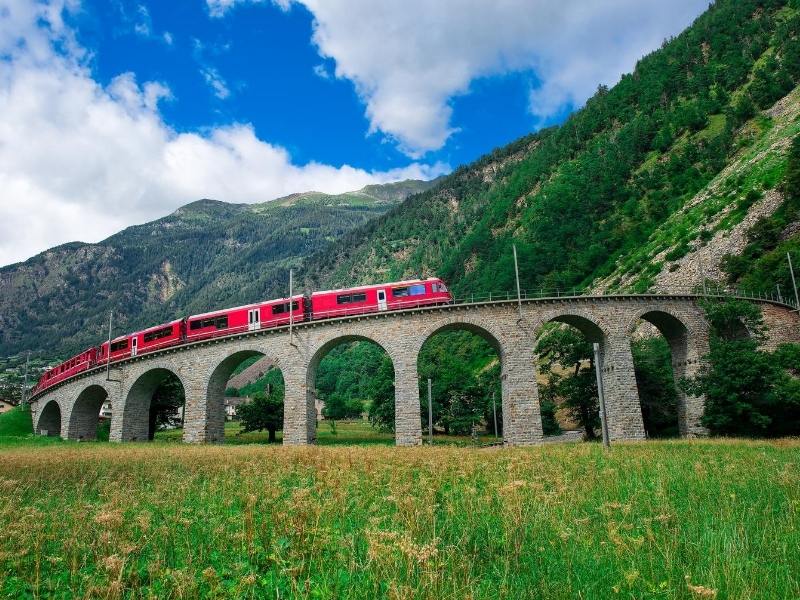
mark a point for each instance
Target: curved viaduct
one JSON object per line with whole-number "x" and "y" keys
{"x": 71, "y": 408}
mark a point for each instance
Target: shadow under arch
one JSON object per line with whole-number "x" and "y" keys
{"x": 482, "y": 332}
{"x": 677, "y": 335}
{"x": 215, "y": 393}
{"x": 85, "y": 414}
{"x": 590, "y": 329}
{"x": 49, "y": 422}
{"x": 313, "y": 367}
{"x": 135, "y": 416}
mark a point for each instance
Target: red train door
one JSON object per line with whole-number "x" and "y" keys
{"x": 253, "y": 319}
{"x": 381, "y": 299}
{"x": 134, "y": 345}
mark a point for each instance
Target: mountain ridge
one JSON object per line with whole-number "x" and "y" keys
{"x": 204, "y": 255}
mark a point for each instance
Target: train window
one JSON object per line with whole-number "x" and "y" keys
{"x": 278, "y": 309}
{"x": 218, "y": 322}
{"x": 417, "y": 290}
{"x": 350, "y": 298}
{"x": 158, "y": 334}
{"x": 438, "y": 287}
{"x": 400, "y": 292}
{"x": 120, "y": 345}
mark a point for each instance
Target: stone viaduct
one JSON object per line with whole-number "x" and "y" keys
{"x": 71, "y": 408}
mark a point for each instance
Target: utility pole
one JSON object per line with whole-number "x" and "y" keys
{"x": 516, "y": 276}
{"x": 494, "y": 412}
{"x": 794, "y": 282}
{"x": 24, "y": 399}
{"x": 291, "y": 306}
{"x": 599, "y": 374}
{"x": 430, "y": 413}
{"x": 108, "y": 359}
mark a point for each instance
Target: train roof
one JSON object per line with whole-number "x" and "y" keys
{"x": 154, "y": 327}
{"x": 377, "y": 285}
{"x": 253, "y": 305}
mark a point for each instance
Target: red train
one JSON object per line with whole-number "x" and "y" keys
{"x": 251, "y": 317}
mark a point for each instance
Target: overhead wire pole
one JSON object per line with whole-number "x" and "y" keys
{"x": 494, "y": 412}
{"x": 291, "y": 307}
{"x": 25, "y": 380}
{"x": 794, "y": 282}
{"x": 516, "y": 276}
{"x": 430, "y": 413}
{"x": 108, "y": 359}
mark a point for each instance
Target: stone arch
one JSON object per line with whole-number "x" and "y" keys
{"x": 589, "y": 326}
{"x": 214, "y": 417}
{"x": 486, "y": 332}
{"x": 311, "y": 376}
{"x": 49, "y": 421}
{"x": 521, "y": 417}
{"x": 85, "y": 413}
{"x": 686, "y": 346}
{"x": 623, "y": 410}
{"x": 135, "y": 414}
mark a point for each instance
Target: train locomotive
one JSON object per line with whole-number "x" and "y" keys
{"x": 328, "y": 304}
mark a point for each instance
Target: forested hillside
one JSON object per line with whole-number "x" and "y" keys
{"x": 677, "y": 173}
{"x": 205, "y": 255}
{"x": 581, "y": 200}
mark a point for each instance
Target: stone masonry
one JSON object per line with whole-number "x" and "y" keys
{"x": 203, "y": 368}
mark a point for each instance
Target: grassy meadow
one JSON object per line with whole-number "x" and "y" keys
{"x": 672, "y": 519}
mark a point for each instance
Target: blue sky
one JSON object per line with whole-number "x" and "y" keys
{"x": 116, "y": 112}
{"x": 276, "y": 80}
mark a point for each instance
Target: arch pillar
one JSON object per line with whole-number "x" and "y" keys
{"x": 623, "y": 409}
{"x": 203, "y": 420}
{"x": 407, "y": 416}
{"x": 299, "y": 413}
{"x": 522, "y": 419}
{"x": 686, "y": 363}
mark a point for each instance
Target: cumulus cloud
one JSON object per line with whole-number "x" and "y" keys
{"x": 79, "y": 161}
{"x": 409, "y": 58}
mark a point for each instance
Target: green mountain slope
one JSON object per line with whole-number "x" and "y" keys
{"x": 582, "y": 200}
{"x": 206, "y": 254}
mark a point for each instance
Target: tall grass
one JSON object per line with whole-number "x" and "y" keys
{"x": 651, "y": 520}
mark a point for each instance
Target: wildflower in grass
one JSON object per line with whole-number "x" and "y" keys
{"x": 700, "y": 591}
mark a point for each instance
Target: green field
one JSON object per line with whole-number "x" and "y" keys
{"x": 676, "y": 519}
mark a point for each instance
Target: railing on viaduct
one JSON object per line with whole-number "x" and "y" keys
{"x": 510, "y": 323}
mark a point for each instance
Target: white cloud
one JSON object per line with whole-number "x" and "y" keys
{"x": 79, "y": 161}
{"x": 217, "y": 83}
{"x": 409, "y": 58}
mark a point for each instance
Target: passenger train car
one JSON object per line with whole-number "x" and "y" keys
{"x": 328, "y": 304}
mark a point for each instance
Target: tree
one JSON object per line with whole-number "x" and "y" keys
{"x": 165, "y": 406}
{"x": 264, "y": 411}
{"x": 574, "y": 385}
{"x": 657, "y": 394}
{"x": 748, "y": 390}
{"x": 381, "y": 393}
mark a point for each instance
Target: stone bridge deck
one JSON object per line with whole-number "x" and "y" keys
{"x": 71, "y": 408}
